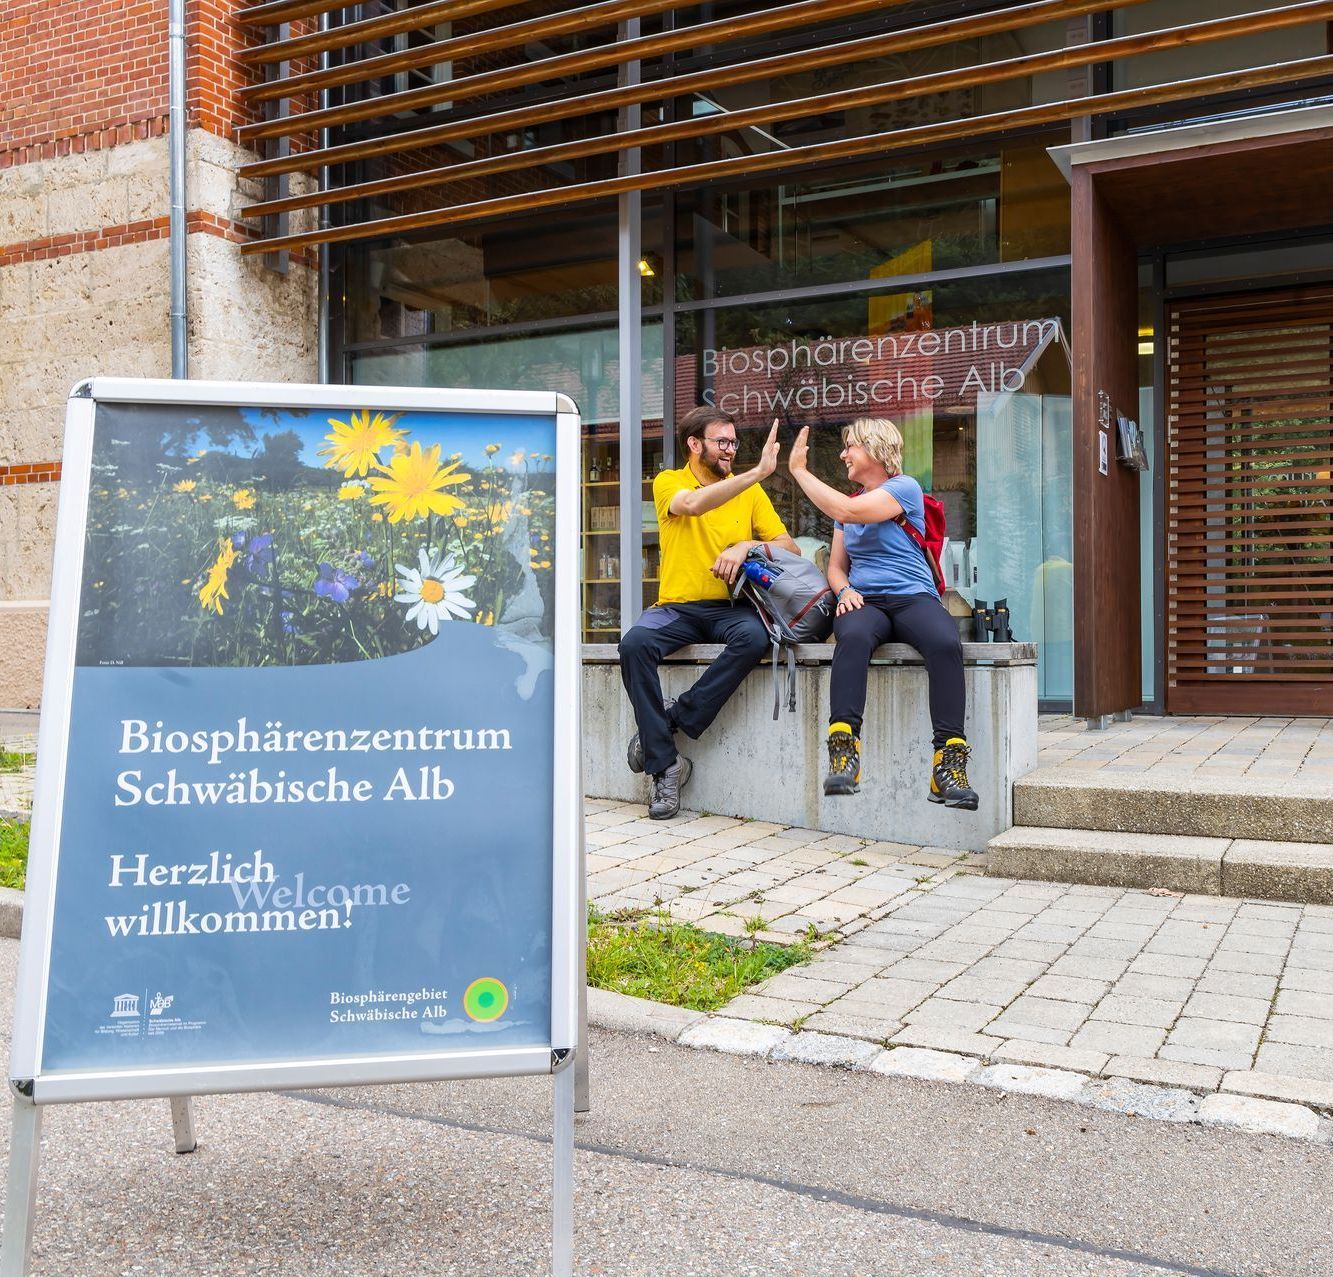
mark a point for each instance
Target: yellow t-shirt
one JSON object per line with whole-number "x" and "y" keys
{"x": 692, "y": 542}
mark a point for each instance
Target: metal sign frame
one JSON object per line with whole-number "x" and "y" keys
{"x": 34, "y": 1088}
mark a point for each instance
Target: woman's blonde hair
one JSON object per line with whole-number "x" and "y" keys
{"x": 880, "y": 438}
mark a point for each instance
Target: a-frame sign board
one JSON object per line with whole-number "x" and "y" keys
{"x": 311, "y": 710}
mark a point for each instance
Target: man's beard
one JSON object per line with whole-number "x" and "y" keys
{"x": 717, "y": 466}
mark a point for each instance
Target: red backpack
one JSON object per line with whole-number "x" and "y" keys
{"x": 932, "y": 543}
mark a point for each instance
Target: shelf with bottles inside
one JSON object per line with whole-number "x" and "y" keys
{"x": 603, "y": 499}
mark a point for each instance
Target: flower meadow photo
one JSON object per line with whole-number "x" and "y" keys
{"x": 225, "y": 536}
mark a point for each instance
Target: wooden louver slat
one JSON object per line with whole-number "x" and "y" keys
{"x": 656, "y": 135}
{"x": 892, "y": 44}
{"x": 847, "y": 148}
{"x": 1249, "y": 570}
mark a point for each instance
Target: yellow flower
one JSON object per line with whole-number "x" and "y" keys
{"x": 411, "y": 484}
{"x": 214, "y": 589}
{"x": 243, "y": 499}
{"x": 377, "y": 517}
{"x": 460, "y": 521}
{"x": 204, "y": 496}
{"x": 492, "y": 449}
{"x": 122, "y": 493}
{"x": 351, "y": 492}
{"x": 516, "y": 459}
{"x": 354, "y": 444}
{"x": 185, "y": 485}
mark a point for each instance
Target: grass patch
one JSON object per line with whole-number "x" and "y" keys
{"x": 645, "y": 954}
{"x": 13, "y": 853}
{"x": 12, "y": 762}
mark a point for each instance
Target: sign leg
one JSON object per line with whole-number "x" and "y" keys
{"x": 582, "y": 1098}
{"x": 25, "y": 1149}
{"x": 562, "y": 1178}
{"x": 182, "y": 1124}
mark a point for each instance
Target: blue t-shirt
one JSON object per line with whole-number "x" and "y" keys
{"x": 884, "y": 559}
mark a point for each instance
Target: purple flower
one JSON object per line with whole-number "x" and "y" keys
{"x": 367, "y": 561}
{"x": 260, "y": 554}
{"x": 288, "y": 622}
{"x": 333, "y": 583}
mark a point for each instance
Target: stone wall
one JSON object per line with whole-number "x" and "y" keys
{"x": 85, "y": 291}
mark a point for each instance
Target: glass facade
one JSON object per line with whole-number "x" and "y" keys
{"x": 929, "y": 285}
{"x": 933, "y": 290}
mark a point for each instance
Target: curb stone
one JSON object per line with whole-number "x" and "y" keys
{"x": 608, "y": 1010}
{"x": 11, "y": 912}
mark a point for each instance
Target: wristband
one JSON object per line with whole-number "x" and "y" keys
{"x": 841, "y": 592}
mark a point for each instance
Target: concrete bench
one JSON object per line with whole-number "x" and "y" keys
{"x": 748, "y": 765}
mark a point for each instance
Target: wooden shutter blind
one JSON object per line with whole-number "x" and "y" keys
{"x": 424, "y": 90}
{"x": 1249, "y": 449}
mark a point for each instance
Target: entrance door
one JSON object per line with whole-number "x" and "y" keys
{"x": 1249, "y": 505}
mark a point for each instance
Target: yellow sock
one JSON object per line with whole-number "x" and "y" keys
{"x": 840, "y": 727}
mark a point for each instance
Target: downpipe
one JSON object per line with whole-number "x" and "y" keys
{"x": 176, "y": 138}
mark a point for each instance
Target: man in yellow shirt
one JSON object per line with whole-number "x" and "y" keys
{"x": 709, "y": 519}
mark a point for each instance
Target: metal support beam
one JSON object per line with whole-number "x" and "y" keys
{"x": 630, "y": 361}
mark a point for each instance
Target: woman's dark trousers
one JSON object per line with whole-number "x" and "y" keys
{"x": 916, "y": 619}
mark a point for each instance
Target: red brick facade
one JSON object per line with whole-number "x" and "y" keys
{"x": 88, "y": 74}
{"x": 81, "y": 70}
{"x": 37, "y": 472}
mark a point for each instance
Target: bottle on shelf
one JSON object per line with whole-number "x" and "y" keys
{"x": 594, "y": 474}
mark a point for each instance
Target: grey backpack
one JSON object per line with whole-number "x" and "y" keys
{"x": 793, "y": 599}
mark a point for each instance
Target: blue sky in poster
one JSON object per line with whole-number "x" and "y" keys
{"x": 465, "y": 432}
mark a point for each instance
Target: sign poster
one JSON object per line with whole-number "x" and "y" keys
{"x": 306, "y": 810}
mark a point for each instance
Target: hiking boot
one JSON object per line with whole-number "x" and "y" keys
{"x": 667, "y": 787}
{"x": 634, "y": 754}
{"x": 948, "y": 777}
{"x": 844, "y": 760}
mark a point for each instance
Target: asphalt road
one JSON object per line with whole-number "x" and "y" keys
{"x": 690, "y": 1163}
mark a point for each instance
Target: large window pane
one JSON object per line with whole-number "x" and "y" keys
{"x": 896, "y": 217}
{"x": 977, "y": 376}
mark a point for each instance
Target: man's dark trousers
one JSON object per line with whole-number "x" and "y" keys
{"x": 658, "y": 633}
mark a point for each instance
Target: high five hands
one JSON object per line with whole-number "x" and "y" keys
{"x": 768, "y": 457}
{"x": 798, "y": 458}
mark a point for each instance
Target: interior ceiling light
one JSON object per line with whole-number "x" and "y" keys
{"x": 646, "y": 268}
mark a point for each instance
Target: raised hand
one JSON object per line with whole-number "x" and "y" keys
{"x": 768, "y": 458}
{"x": 798, "y": 458}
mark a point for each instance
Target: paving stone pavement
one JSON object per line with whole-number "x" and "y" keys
{"x": 16, "y": 786}
{"x": 1257, "y": 748}
{"x": 920, "y": 954}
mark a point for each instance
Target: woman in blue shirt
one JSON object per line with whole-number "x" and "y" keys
{"x": 886, "y": 593}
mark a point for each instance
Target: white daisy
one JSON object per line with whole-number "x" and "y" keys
{"x": 435, "y": 591}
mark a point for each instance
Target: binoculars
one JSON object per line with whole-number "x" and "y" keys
{"x": 991, "y": 624}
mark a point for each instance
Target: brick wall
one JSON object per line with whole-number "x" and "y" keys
{"x": 95, "y": 70}
{"x": 39, "y": 472}
{"x": 88, "y": 74}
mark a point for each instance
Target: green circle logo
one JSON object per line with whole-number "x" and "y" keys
{"x": 486, "y": 999}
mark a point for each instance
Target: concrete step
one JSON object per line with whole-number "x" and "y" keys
{"x": 1256, "y": 868}
{"x": 1154, "y": 803}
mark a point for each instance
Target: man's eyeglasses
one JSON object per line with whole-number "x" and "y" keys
{"x": 723, "y": 445}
